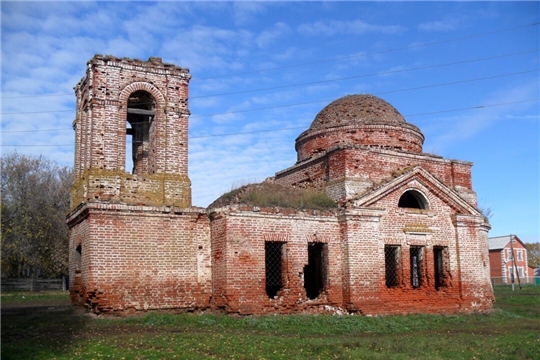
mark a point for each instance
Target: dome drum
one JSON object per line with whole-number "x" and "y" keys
{"x": 405, "y": 137}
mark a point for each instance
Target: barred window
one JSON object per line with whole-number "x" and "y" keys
{"x": 440, "y": 259}
{"x": 416, "y": 253}
{"x": 391, "y": 262}
{"x": 273, "y": 263}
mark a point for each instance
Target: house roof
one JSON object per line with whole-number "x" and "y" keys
{"x": 500, "y": 242}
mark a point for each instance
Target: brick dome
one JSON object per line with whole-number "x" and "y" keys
{"x": 358, "y": 120}
{"x": 350, "y": 109}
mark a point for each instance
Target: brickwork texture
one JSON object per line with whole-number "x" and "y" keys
{"x": 406, "y": 236}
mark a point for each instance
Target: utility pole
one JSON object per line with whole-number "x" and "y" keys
{"x": 514, "y": 262}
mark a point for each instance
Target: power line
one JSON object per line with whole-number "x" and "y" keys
{"x": 297, "y": 127}
{"x": 35, "y": 145}
{"x": 373, "y": 53}
{"x": 326, "y": 60}
{"x": 375, "y": 93}
{"x": 36, "y": 112}
{"x": 37, "y": 130}
{"x": 366, "y": 75}
{"x": 290, "y": 105}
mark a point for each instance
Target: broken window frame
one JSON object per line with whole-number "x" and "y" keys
{"x": 440, "y": 265}
{"x": 416, "y": 256}
{"x": 274, "y": 265}
{"x": 392, "y": 260}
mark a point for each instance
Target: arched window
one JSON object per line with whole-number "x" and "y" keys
{"x": 412, "y": 199}
{"x": 140, "y": 113}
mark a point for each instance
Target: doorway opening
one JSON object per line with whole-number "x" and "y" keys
{"x": 315, "y": 272}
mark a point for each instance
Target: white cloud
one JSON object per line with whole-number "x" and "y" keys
{"x": 268, "y": 36}
{"x": 441, "y": 25}
{"x": 245, "y": 12}
{"x": 459, "y": 128}
{"x": 355, "y": 27}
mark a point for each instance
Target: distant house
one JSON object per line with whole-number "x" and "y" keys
{"x": 508, "y": 260}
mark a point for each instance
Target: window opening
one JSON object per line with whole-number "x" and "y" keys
{"x": 315, "y": 271}
{"x": 412, "y": 199}
{"x": 78, "y": 257}
{"x": 441, "y": 264}
{"x": 520, "y": 255}
{"x": 273, "y": 256}
{"x": 140, "y": 113}
{"x": 510, "y": 254}
{"x": 391, "y": 263}
{"x": 416, "y": 266}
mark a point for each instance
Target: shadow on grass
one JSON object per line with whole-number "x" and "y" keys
{"x": 40, "y": 332}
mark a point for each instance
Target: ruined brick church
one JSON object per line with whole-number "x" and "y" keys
{"x": 406, "y": 235}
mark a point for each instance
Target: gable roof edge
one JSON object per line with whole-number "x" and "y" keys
{"x": 384, "y": 189}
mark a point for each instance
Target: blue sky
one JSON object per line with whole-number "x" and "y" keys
{"x": 465, "y": 73}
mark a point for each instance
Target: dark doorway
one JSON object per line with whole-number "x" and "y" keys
{"x": 273, "y": 255}
{"x": 315, "y": 271}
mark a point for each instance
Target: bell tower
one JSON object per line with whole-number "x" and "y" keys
{"x": 132, "y": 112}
{"x": 135, "y": 241}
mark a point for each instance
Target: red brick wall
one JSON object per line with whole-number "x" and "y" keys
{"x": 356, "y": 240}
{"x": 239, "y": 259}
{"x": 141, "y": 259}
{"x": 350, "y": 171}
{"x": 468, "y": 286}
{"x": 496, "y": 261}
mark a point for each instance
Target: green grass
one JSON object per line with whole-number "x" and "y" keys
{"x": 512, "y": 331}
{"x": 30, "y": 297}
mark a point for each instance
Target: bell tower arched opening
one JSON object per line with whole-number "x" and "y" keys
{"x": 140, "y": 116}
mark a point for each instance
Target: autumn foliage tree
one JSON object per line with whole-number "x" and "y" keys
{"x": 35, "y": 201}
{"x": 533, "y": 254}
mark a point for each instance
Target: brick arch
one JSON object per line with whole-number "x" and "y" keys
{"x": 418, "y": 195}
{"x": 139, "y": 85}
{"x": 123, "y": 99}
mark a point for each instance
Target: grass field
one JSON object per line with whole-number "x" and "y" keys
{"x": 40, "y": 326}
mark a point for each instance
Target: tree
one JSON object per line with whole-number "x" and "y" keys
{"x": 35, "y": 200}
{"x": 533, "y": 254}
